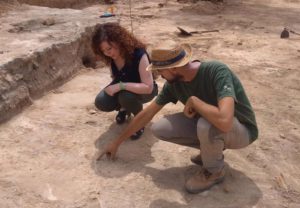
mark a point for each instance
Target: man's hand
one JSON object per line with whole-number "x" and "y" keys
{"x": 110, "y": 151}
{"x": 139, "y": 121}
{"x": 189, "y": 110}
{"x": 112, "y": 89}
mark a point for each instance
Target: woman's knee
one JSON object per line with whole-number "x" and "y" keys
{"x": 104, "y": 103}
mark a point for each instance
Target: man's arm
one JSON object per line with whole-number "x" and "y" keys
{"x": 139, "y": 121}
{"x": 221, "y": 117}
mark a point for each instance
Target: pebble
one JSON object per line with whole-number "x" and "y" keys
{"x": 282, "y": 136}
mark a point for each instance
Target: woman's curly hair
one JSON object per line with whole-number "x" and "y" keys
{"x": 113, "y": 32}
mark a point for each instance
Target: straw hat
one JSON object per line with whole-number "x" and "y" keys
{"x": 171, "y": 57}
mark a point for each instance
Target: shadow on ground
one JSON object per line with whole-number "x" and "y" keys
{"x": 238, "y": 190}
{"x": 134, "y": 155}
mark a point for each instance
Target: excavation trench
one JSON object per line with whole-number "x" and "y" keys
{"x": 41, "y": 52}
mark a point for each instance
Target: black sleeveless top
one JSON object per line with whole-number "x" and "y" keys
{"x": 130, "y": 71}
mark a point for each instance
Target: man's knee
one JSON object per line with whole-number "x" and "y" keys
{"x": 207, "y": 132}
{"x": 156, "y": 130}
{"x": 203, "y": 127}
{"x": 160, "y": 130}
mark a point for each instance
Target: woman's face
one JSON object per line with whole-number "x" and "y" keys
{"x": 110, "y": 49}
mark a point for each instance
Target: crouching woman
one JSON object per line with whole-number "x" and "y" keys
{"x": 131, "y": 84}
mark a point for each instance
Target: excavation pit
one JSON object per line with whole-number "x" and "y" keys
{"x": 41, "y": 48}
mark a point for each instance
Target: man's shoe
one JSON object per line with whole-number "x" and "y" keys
{"x": 204, "y": 180}
{"x": 196, "y": 159}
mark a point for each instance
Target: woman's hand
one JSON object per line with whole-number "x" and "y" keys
{"x": 112, "y": 89}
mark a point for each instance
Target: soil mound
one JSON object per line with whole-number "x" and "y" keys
{"x": 204, "y": 8}
{"x": 7, "y": 5}
{"x": 59, "y": 3}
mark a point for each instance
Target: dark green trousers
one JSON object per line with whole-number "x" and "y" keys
{"x": 133, "y": 103}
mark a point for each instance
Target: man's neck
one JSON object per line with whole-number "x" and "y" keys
{"x": 190, "y": 71}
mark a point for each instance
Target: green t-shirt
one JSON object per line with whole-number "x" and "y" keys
{"x": 213, "y": 81}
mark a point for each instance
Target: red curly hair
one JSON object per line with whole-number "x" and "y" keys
{"x": 113, "y": 32}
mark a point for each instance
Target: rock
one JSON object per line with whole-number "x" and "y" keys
{"x": 160, "y": 5}
{"x": 280, "y": 181}
{"x": 92, "y": 111}
{"x": 285, "y": 33}
{"x": 49, "y": 22}
{"x": 282, "y": 136}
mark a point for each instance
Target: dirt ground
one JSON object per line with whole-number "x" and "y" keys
{"x": 48, "y": 151}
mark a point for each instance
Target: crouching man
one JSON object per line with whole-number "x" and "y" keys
{"x": 217, "y": 113}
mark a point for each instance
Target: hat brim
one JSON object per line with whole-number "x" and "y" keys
{"x": 186, "y": 59}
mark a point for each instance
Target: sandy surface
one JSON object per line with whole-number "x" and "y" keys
{"x": 47, "y": 156}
